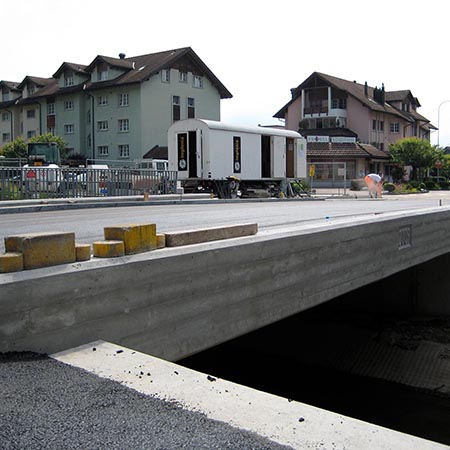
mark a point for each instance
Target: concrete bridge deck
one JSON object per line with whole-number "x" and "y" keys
{"x": 183, "y": 300}
{"x": 187, "y": 299}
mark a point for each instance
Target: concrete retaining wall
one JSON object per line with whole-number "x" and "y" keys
{"x": 178, "y": 301}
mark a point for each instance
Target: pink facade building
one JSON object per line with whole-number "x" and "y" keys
{"x": 352, "y": 122}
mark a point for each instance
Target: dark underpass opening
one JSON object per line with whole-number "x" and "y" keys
{"x": 365, "y": 355}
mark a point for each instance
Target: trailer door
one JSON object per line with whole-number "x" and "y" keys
{"x": 192, "y": 154}
{"x": 290, "y": 158}
{"x": 265, "y": 157}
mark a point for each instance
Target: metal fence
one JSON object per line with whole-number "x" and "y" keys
{"x": 331, "y": 175}
{"x": 43, "y": 182}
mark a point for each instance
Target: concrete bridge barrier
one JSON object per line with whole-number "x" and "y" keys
{"x": 177, "y": 301}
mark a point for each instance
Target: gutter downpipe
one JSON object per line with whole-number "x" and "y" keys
{"x": 92, "y": 120}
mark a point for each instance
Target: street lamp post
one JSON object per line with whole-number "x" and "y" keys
{"x": 439, "y": 118}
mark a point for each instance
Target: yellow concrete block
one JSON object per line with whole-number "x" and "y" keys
{"x": 108, "y": 249}
{"x": 178, "y": 238}
{"x": 83, "y": 252}
{"x": 160, "y": 240}
{"x": 136, "y": 237}
{"x": 11, "y": 262}
{"x": 43, "y": 249}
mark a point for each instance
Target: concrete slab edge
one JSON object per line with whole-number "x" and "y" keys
{"x": 283, "y": 421}
{"x": 14, "y": 209}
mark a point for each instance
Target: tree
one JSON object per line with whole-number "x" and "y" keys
{"x": 49, "y": 137}
{"x": 18, "y": 147}
{"x": 15, "y": 149}
{"x": 417, "y": 153}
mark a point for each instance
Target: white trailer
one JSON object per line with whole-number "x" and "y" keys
{"x": 227, "y": 159}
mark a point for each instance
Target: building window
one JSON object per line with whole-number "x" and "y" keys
{"x": 102, "y": 150}
{"x": 5, "y": 96}
{"x": 381, "y": 125}
{"x": 124, "y": 151}
{"x": 395, "y": 127}
{"x": 31, "y": 134}
{"x": 176, "y": 112}
{"x": 190, "y": 108}
{"x": 5, "y": 117}
{"x": 374, "y": 125}
{"x": 339, "y": 103}
{"x": 51, "y": 130}
{"x": 124, "y": 125}
{"x": 31, "y": 113}
{"x": 6, "y": 137}
{"x": 102, "y": 125}
{"x": 30, "y": 90}
{"x": 68, "y": 105}
{"x": 102, "y": 74}
{"x": 50, "y": 109}
{"x": 69, "y": 128}
{"x": 102, "y": 100}
{"x": 123, "y": 99}
{"x": 183, "y": 77}
{"x": 68, "y": 81}
{"x": 198, "y": 81}
{"x": 165, "y": 75}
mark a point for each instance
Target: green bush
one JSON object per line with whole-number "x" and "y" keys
{"x": 444, "y": 185}
{"x": 414, "y": 184}
{"x": 389, "y": 187}
{"x": 430, "y": 185}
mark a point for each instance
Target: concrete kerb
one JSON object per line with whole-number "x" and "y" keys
{"x": 283, "y": 421}
{"x": 7, "y": 207}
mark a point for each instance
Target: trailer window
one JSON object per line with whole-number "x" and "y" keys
{"x": 236, "y": 154}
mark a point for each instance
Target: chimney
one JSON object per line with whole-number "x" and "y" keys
{"x": 366, "y": 89}
{"x": 121, "y": 55}
{"x": 293, "y": 92}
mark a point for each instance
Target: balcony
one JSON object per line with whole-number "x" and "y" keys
{"x": 315, "y": 110}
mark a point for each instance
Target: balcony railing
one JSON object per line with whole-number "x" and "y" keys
{"x": 310, "y": 110}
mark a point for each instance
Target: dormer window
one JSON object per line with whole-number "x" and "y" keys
{"x": 68, "y": 81}
{"x": 102, "y": 72}
{"x": 102, "y": 75}
{"x": 165, "y": 75}
{"x": 31, "y": 90}
{"x": 5, "y": 95}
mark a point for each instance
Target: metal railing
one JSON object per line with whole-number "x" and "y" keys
{"x": 328, "y": 175}
{"x": 43, "y": 182}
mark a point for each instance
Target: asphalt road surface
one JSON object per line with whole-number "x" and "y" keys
{"x": 88, "y": 223}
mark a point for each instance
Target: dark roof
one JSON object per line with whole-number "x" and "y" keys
{"x": 38, "y": 81}
{"x": 333, "y": 150}
{"x": 141, "y": 68}
{"x": 51, "y": 88}
{"x": 115, "y": 62}
{"x": 77, "y": 68}
{"x": 11, "y": 85}
{"x": 375, "y": 152}
{"x": 157, "y": 152}
{"x": 136, "y": 70}
{"x": 353, "y": 88}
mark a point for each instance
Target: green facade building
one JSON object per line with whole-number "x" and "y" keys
{"x": 113, "y": 108}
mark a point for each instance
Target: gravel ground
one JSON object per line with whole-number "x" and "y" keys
{"x": 46, "y": 404}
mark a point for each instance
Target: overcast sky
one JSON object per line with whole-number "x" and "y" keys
{"x": 258, "y": 49}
